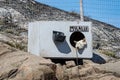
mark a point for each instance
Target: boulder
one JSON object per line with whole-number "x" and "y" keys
{"x": 61, "y": 73}
{"x": 112, "y": 67}
{"x": 72, "y": 72}
{"x": 18, "y": 65}
{"x": 70, "y": 64}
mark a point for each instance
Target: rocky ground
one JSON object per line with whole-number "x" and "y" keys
{"x": 19, "y": 65}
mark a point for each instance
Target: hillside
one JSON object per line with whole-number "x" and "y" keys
{"x": 15, "y": 14}
{"x": 20, "y": 65}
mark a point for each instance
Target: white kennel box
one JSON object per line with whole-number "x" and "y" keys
{"x": 55, "y": 39}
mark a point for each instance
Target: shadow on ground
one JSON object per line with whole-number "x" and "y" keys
{"x": 96, "y": 59}
{"x": 63, "y": 61}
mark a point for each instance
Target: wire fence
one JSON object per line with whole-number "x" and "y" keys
{"x": 103, "y": 10}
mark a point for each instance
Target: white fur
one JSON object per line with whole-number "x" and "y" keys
{"x": 80, "y": 44}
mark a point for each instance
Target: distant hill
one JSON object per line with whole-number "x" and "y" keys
{"x": 20, "y": 12}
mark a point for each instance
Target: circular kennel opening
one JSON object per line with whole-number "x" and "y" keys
{"x": 76, "y": 36}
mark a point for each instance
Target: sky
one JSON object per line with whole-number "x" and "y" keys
{"x": 103, "y": 10}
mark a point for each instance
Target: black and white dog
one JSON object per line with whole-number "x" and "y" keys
{"x": 80, "y": 44}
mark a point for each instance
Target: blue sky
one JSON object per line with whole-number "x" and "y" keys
{"x": 103, "y": 10}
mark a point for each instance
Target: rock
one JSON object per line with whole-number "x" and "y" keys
{"x": 18, "y": 65}
{"x": 33, "y": 72}
{"x": 109, "y": 78}
{"x": 4, "y": 38}
{"x": 61, "y": 73}
{"x": 112, "y": 67}
{"x": 70, "y": 64}
{"x": 86, "y": 71}
{"x": 100, "y": 77}
{"x": 73, "y": 72}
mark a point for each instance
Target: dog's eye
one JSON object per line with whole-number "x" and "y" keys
{"x": 84, "y": 40}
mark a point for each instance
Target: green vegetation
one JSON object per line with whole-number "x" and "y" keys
{"x": 16, "y": 45}
{"x": 12, "y": 30}
{"x": 1, "y": 22}
{"x": 73, "y": 13}
{"x": 9, "y": 31}
{"x": 107, "y": 52}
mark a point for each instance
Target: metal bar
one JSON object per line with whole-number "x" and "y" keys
{"x": 81, "y": 11}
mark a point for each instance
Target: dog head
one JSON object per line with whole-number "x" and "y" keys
{"x": 80, "y": 44}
